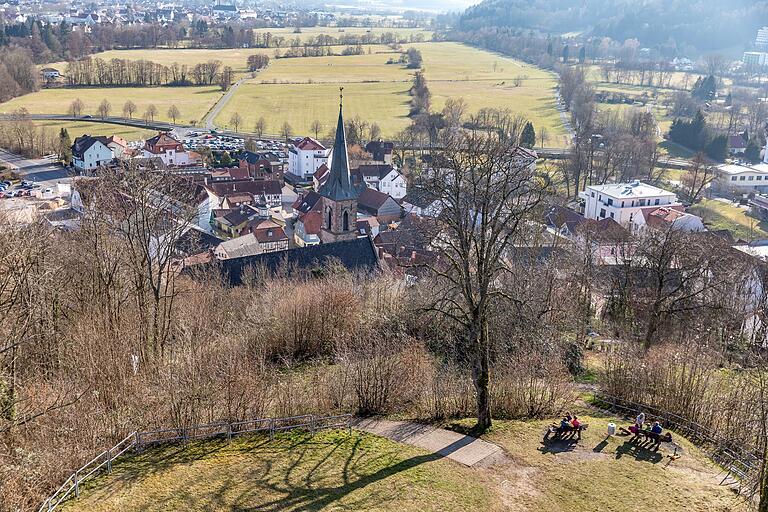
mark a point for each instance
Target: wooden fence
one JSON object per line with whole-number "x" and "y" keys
{"x": 741, "y": 466}
{"x": 139, "y": 440}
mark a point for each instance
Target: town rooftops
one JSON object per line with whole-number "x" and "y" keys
{"x": 371, "y": 199}
{"x": 253, "y": 187}
{"x": 634, "y": 189}
{"x": 308, "y": 202}
{"x": 357, "y": 255}
{"x": 162, "y": 139}
{"x": 663, "y": 216}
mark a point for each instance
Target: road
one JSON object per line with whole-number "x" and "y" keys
{"x": 44, "y": 171}
{"x": 217, "y": 108}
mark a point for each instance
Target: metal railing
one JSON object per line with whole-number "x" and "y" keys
{"x": 737, "y": 462}
{"x": 139, "y": 440}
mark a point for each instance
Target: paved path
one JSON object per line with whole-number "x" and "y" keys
{"x": 466, "y": 450}
{"x": 208, "y": 120}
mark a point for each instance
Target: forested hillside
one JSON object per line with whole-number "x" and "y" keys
{"x": 703, "y": 25}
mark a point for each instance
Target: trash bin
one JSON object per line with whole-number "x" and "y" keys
{"x": 611, "y": 429}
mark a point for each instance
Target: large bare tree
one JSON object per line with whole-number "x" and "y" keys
{"x": 487, "y": 194}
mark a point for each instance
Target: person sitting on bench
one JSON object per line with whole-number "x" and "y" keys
{"x": 576, "y": 426}
{"x": 656, "y": 428}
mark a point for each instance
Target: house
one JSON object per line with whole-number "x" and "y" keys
{"x": 740, "y": 179}
{"x": 382, "y": 177}
{"x": 667, "y": 217}
{"x": 305, "y": 157}
{"x": 378, "y": 204}
{"x": 563, "y": 221}
{"x": 306, "y": 202}
{"x": 622, "y": 201}
{"x": 265, "y": 236}
{"x": 736, "y": 144}
{"x": 320, "y": 176}
{"x": 380, "y": 151}
{"x": 271, "y": 189}
{"x": 306, "y": 230}
{"x": 420, "y": 202}
{"x": 263, "y": 165}
{"x": 50, "y": 74}
{"x": 225, "y": 12}
{"x": 170, "y": 150}
{"x": 90, "y": 152}
{"x": 759, "y": 206}
{"x": 118, "y": 145}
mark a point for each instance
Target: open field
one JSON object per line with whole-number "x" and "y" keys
{"x": 193, "y": 102}
{"x": 307, "y": 32}
{"x": 726, "y": 215}
{"x": 76, "y": 129}
{"x": 236, "y": 58}
{"x": 336, "y": 471}
{"x": 302, "y": 90}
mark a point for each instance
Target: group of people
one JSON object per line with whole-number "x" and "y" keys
{"x": 569, "y": 423}
{"x": 640, "y": 424}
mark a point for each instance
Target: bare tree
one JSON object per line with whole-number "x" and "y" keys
{"x": 150, "y": 113}
{"x": 260, "y": 127}
{"x": 76, "y": 107}
{"x": 486, "y": 196}
{"x": 129, "y": 108}
{"x": 286, "y": 130}
{"x": 105, "y": 107}
{"x": 236, "y": 120}
{"x": 316, "y": 127}
{"x": 697, "y": 178}
{"x": 174, "y": 113}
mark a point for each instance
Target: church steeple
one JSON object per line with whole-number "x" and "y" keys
{"x": 339, "y": 196}
{"x": 339, "y": 186}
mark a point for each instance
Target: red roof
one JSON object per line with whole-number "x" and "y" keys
{"x": 312, "y": 221}
{"x": 662, "y": 216}
{"x": 309, "y": 144}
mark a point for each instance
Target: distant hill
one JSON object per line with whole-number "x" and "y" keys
{"x": 702, "y": 25}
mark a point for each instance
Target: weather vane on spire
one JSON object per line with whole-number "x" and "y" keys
{"x": 341, "y": 96}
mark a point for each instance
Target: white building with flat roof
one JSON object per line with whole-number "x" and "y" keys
{"x": 622, "y": 201}
{"x": 761, "y": 41}
{"x": 743, "y": 178}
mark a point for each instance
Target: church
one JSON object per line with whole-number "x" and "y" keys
{"x": 338, "y": 194}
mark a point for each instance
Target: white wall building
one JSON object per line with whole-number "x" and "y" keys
{"x": 89, "y": 152}
{"x": 622, "y": 201}
{"x": 306, "y": 157}
{"x": 393, "y": 184}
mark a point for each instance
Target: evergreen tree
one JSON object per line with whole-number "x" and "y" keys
{"x": 752, "y": 153}
{"x": 582, "y": 55}
{"x": 566, "y": 52}
{"x": 706, "y": 89}
{"x": 65, "y": 147}
{"x": 717, "y": 148}
{"x": 528, "y": 137}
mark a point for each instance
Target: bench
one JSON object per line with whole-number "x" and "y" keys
{"x": 561, "y": 431}
{"x": 654, "y": 438}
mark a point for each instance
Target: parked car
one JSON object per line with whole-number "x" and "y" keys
{"x": 10, "y": 193}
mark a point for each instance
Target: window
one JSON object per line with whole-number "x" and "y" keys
{"x": 733, "y": 178}
{"x": 641, "y": 202}
{"x": 622, "y": 204}
{"x": 611, "y": 214}
{"x": 610, "y": 202}
{"x": 750, "y": 178}
{"x": 593, "y": 194}
{"x": 741, "y": 178}
{"x": 602, "y": 213}
{"x": 759, "y": 178}
{"x": 329, "y": 218}
{"x": 656, "y": 202}
{"x": 345, "y": 221}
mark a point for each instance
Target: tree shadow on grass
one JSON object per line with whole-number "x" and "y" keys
{"x": 302, "y": 483}
{"x": 561, "y": 445}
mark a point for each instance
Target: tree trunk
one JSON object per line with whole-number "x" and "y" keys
{"x": 481, "y": 375}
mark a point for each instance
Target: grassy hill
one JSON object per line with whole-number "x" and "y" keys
{"x": 336, "y": 471}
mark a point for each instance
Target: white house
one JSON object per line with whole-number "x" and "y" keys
{"x": 742, "y": 178}
{"x": 666, "y": 217}
{"x": 305, "y": 157}
{"x": 622, "y": 201}
{"x": 89, "y": 152}
{"x": 170, "y": 151}
{"x": 393, "y": 184}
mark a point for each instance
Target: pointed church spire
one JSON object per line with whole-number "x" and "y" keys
{"x": 339, "y": 184}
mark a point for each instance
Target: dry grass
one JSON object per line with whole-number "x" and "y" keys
{"x": 193, "y": 102}
{"x": 330, "y": 471}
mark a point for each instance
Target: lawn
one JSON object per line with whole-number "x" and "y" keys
{"x": 303, "y": 90}
{"x": 330, "y": 471}
{"x": 603, "y": 473}
{"x": 726, "y": 215}
{"x": 193, "y": 102}
{"x": 339, "y": 471}
{"x": 76, "y": 129}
